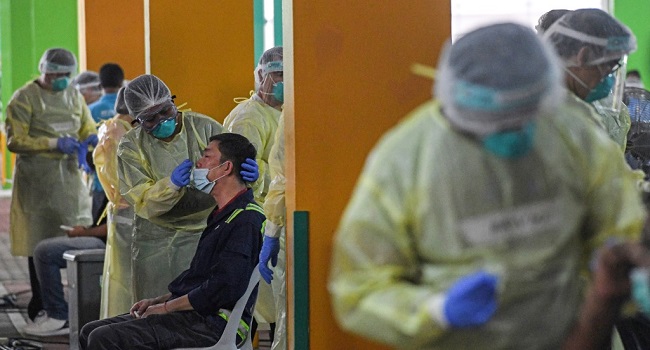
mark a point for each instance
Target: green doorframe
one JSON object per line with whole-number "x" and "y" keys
{"x": 27, "y": 29}
{"x": 258, "y": 26}
{"x": 258, "y": 29}
{"x": 277, "y": 22}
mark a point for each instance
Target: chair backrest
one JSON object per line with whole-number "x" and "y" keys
{"x": 228, "y": 340}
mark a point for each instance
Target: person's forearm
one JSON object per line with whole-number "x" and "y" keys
{"x": 593, "y": 330}
{"x": 96, "y": 231}
{"x": 178, "y": 304}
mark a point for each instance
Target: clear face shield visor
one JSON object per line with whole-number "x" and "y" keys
{"x": 613, "y": 103}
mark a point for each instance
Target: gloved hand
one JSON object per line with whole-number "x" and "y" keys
{"x": 67, "y": 144}
{"x": 270, "y": 250}
{"x": 82, "y": 153}
{"x": 250, "y": 171}
{"x": 471, "y": 301}
{"x": 91, "y": 140}
{"x": 181, "y": 175}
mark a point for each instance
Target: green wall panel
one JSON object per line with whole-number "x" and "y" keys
{"x": 27, "y": 29}
{"x": 634, "y": 13}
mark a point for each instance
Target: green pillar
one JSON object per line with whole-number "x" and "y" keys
{"x": 27, "y": 29}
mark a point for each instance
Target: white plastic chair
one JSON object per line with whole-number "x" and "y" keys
{"x": 228, "y": 340}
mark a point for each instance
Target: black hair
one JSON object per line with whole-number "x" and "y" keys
{"x": 111, "y": 75}
{"x": 549, "y": 18}
{"x": 235, "y": 148}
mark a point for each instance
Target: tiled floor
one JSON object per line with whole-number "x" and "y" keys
{"x": 15, "y": 290}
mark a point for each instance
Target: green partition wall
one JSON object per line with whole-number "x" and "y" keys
{"x": 27, "y": 28}
{"x": 635, "y": 13}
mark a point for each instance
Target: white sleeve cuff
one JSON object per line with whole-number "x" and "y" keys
{"x": 272, "y": 230}
{"x": 51, "y": 143}
{"x": 436, "y": 308}
{"x": 173, "y": 186}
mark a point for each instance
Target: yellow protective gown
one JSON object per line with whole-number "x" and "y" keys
{"x": 168, "y": 222}
{"x": 275, "y": 211}
{"x": 48, "y": 189}
{"x": 432, "y": 206}
{"x": 257, "y": 121}
{"x": 117, "y": 297}
{"x": 616, "y": 124}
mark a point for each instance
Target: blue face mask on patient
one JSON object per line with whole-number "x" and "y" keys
{"x": 511, "y": 144}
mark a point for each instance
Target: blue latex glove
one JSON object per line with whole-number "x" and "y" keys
{"x": 82, "y": 153}
{"x": 471, "y": 301}
{"x": 91, "y": 140}
{"x": 270, "y": 250}
{"x": 181, "y": 175}
{"x": 67, "y": 144}
{"x": 250, "y": 171}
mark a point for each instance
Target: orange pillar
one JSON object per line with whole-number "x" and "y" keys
{"x": 347, "y": 80}
{"x": 112, "y": 31}
{"x": 203, "y": 50}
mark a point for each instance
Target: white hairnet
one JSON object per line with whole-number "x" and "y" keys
{"x": 495, "y": 78}
{"x": 271, "y": 61}
{"x": 120, "y": 104}
{"x": 146, "y": 95}
{"x": 57, "y": 60}
{"x": 604, "y": 38}
{"x": 86, "y": 80}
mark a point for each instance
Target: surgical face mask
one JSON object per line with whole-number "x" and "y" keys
{"x": 602, "y": 90}
{"x": 165, "y": 129}
{"x": 199, "y": 179}
{"x": 59, "y": 84}
{"x": 511, "y": 144}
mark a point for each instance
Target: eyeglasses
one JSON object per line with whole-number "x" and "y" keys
{"x": 611, "y": 66}
{"x": 151, "y": 121}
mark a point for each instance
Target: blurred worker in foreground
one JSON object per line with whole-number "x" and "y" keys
{"x": 88, "y": 85}
{"x": 593, "y": 47}
{"x": 472, "y": 218}
{"x": 257, "y": 119}
{"x": 117, "y": 296}
{"x": 202, "y": 298}
{"x": 155, "y": 161}
{"x": 46, "y": 121}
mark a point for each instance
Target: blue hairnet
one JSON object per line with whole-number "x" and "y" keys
{"x": 146, "y": 95}
{"x": 86, "y": 80}
{"x": 57, "y": 60}
{"x": 495, "y": 78}
{"x": 603, "y": 37}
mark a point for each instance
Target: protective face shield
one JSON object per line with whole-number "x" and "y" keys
{"x": 199, "y": 179}
{"x": 511, "y": 144}
{"x": 277, "y": 89}
{"x": 60, "y": 83}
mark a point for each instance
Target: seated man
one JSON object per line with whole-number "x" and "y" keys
{"x": 195, "y": 312}
{"x": 48, "y": 260}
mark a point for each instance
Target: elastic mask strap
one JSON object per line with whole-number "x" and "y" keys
{"x": 202, "y": 145}
{"x": 577, "y": 79}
